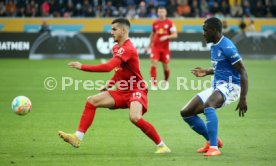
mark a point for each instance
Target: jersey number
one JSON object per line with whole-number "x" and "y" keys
{"x": 137, "y": 95}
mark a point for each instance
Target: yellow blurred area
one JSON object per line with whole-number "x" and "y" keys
{"x": 97, "y": 25}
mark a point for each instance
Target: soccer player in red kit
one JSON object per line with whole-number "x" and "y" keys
{"x": 131, "y": 90}
{"x": 163, "y": 29}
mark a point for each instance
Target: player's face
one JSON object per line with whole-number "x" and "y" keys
{"x": 162, "y": 13}
{"x": 117, "y": 32}
{"x": 209, "y": 33}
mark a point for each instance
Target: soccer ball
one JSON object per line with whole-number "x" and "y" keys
{"x": 21, "y": 105}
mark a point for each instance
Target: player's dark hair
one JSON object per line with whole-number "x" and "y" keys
{"x": 122, "y": 21}
{"x": 214, "y": 23}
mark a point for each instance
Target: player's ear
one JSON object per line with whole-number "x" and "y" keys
{"x": 125, "y": 29}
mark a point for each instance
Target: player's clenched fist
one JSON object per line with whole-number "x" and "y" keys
{"x": 76, "y": 65}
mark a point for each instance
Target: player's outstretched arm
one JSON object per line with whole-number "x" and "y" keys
{"x": 242, "y": 105}
{"x": 106, "y": 67}
{"x": 201, "y": 72}
{"x": 76, "y": 65}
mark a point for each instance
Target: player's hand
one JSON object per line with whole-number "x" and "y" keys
{"x": 163, "y": 38}
{"x": 199, "y": 72}
{"x": 76, "y": 65}
{"x": 103, "y": 89}
{"x": 242, "y": 107}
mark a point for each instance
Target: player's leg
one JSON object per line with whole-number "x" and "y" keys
{"x": 153, "y": 74}
{"x": 154, "y": 58}
{"x": 166, "y": 69}
{"x": 214, "y": 101}
{"x": 166, "y": 58}
{"x": 189, "y": 114}
{"x": 103, "y": 99}
{"x": 224, "y": 94}
{"x": 135, "y": 116}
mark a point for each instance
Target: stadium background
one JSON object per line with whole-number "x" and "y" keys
{"x": 74, "y": 26}
{"x": 89, "y": 38}
{"x": 138, "y": 25}
{"x": 113, "y": 140}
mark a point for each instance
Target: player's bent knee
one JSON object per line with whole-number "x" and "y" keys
{"x": 134, "y": 119}
{"x": 154, "y": 63}
{"x": 184, "y": 112}
{"x": 209, "y": 104}
{"x": 166, "y": 66}
{"x": 206, "y": 105}
{"x": 92, "y": 100}
{"x": 189, "y": 111}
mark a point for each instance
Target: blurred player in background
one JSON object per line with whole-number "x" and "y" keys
{"x": 163, "y": 29}
{"x": 131, "y": 89}
{"x": 229, "y": 85}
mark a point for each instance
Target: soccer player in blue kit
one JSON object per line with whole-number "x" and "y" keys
{"x": 230, "y": 84}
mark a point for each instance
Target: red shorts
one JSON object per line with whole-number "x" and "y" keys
{"x": 162, "y": 55}
{"x": 123, "y": 99}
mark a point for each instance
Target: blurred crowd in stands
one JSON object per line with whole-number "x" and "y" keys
{"x": 137, "y": 8}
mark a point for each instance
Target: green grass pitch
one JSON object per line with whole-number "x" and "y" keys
{"x": 113, "y": 140}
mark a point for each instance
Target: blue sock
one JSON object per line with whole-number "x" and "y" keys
{"x": 197, "y": 124}
{"x": 212, "y": 125}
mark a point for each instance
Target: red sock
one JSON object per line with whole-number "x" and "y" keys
{"x": 153, "y": 74}
{"x": 87, "y": 117}
{"x": 167, "y": 74}
{"x": 149, "y": 130}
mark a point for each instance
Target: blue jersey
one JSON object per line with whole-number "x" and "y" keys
{"x": 224, "y": 55}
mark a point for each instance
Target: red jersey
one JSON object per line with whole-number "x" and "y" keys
{"x": 162, "y": 28}
{"x": 128, "y": 76}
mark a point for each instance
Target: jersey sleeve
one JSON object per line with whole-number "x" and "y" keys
{"x": 232, "y": 54}
{"x": 106, "y": 67}
{"x": 152, "y": 27}
{"x": 123, "y": 53}
{"x": 172, "y": 27}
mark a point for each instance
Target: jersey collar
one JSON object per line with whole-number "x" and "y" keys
{"x": 124, "y": 42}
{"x": 219, "y": 41}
